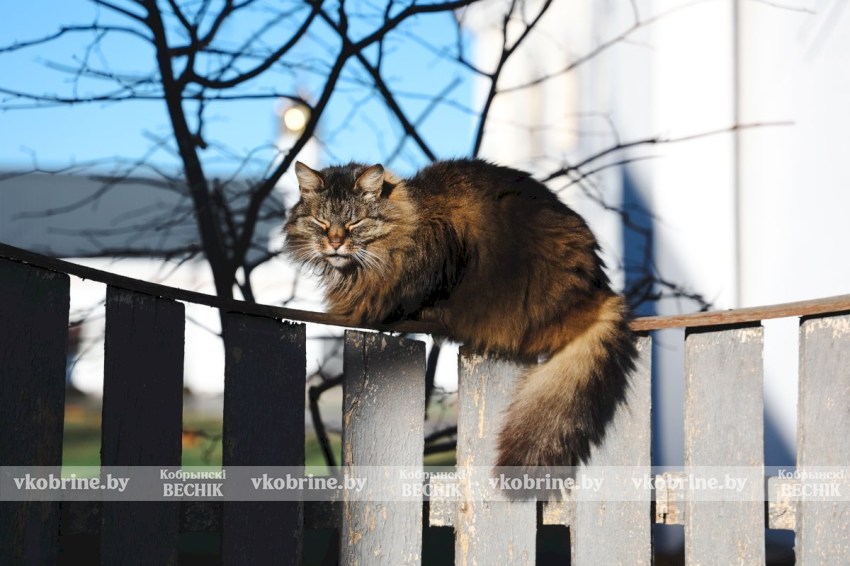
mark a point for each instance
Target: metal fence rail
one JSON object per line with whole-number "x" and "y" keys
{"x": 383, "y": 397}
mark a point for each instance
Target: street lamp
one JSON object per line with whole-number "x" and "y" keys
{"x": 295, "y": 117}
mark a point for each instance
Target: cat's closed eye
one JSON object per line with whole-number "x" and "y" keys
{"x": 320, "y": 223}
{"x": 355, "y": 224}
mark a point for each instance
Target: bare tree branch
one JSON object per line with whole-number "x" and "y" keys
{"x": 656, "y": 140}
{"x": 66, "y": 30}
{"x": 210, "y": 230}
{"x": 120, "y": 10}
{"x": 384, "y": 90}
{"x": 273, "y": 58}
{"x": 505, "y": 55}
{"x": 226, "y": 195}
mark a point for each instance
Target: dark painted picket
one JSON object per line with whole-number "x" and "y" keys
{"x": 383, "y": 435}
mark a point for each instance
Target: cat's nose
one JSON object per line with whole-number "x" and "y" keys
{"x": 335, "y": 237}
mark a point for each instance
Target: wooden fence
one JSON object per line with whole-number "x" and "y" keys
{"x": 382, "y": 409}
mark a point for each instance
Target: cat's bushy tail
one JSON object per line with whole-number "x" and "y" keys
{"x": 562, "y": 407}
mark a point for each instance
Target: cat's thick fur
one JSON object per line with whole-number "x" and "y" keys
{"x": 501, "y": 262}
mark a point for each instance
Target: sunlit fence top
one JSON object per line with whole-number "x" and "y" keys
{"x": 828, "y": 305}
{"x": 382, "y": 429}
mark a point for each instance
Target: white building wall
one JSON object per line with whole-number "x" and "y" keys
{"x": 795, "y": 184}
{"x": 796, "y": 181}
{"x": 748, "y": 218}
{"x": 758, "y": 223}
{"x": 693, "y": 182}
{"x": 544, "y": 127}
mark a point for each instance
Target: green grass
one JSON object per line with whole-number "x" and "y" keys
{"x": 81, "y": 442}
{"x": 201, "y": 440}
{"x": 202, "y": 447}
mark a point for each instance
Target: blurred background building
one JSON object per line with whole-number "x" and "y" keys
{"x": 743, "y": 217}
{"x": 722, "y": 124}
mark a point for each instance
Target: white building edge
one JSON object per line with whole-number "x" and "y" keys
{"x": 752, "y": 217}
{"x": 744, "y": 218}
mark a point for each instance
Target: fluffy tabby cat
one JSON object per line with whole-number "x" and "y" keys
{"x": 501, "y": 262}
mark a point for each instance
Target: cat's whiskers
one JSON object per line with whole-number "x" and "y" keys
{"x": 513, "y": 269}
{"x": 371, "y": 261}
{"x": 307, "y": 253}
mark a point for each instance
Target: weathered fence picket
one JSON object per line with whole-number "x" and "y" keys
{"x": 34, "y": 306}
{"x": 265, "y": 362}
{"x": 383, "y": 438}
{"x": 142, "y": 420}
{"x": 610, "y": 526}
{"x": 489, "y": 528}
{"x": 823, "y": 425}
{"x": 724, "y": 420}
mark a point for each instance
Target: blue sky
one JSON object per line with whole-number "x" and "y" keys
{"x": 353, "y": 128}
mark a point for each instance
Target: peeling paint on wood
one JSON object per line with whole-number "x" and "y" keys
{"x": 496, "y": 531}
{"x": 721, "y": 400}
{"x": 612, "y": 526}
{"x": 558, "y": 512}
{"x": 383, "y": 395}
{"x": 823, "y": 422}
{"x": 781, "y": 509}
{"x": 441, "y": 511}
{"x": 670, "y": 498}
{"x": 724, "y": 424}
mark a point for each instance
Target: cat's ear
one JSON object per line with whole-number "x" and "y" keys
{"x": 309, "y": 181}
{"x": 371, "y": 181}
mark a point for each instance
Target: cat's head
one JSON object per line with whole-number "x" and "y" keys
{"x": 347, "y": 218}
